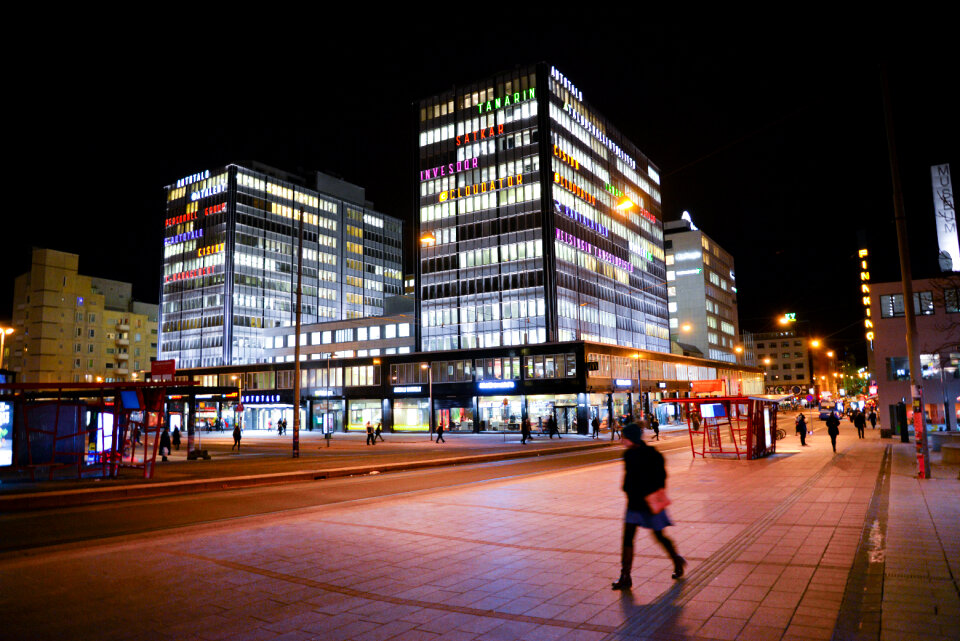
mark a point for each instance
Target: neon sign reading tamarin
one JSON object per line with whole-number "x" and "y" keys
{"x": 507, "y": 100}
{"x": 449, "y": 168}
{"x": 481, "y": 188}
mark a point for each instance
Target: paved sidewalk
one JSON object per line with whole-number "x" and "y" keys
{"x": 771, "y": 546}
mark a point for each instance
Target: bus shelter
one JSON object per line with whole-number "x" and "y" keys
{"x": 741, "y": 426}
{"x": 87, "y": 429}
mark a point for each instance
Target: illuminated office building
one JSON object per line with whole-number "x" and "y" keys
{"x": 230, "y": 269}
{"x": 537, "y": 220}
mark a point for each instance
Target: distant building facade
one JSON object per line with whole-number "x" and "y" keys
{"x": 785, "y": 359}
{"x": 701, "y": 292}
{"x": 230, "y": 269}
{"x": 75, "y": 328}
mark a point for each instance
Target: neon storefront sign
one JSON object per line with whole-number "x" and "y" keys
{"x": 583, "y": 245}
{"x": 449, "y": 168}
{"x": 623, "y": 382}
{"x": 408, "y": 389}
{"x": 573, "y": 189}
{"x": 209, "y": 191}
{"x": 192, "y": 178}
{"x": 187, "y": 275}
{"x": 479, "y": 134}
{"x": 179, "y": 238}
{"x": 574, "y": 215}
{"x": 507, "y": 100}
{"x": 863, "y": 254}
{"x": 481, "y": 188}
{"x": 255, "y": 399}
{"x": 209, "y": 250}
{"x": 496, "y": 385}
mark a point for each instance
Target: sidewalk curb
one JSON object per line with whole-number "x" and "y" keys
{"x": 87, "y": 496}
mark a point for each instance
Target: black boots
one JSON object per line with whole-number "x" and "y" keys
{"x": 624, "y": 582}
{"x": 678, "y": 564}
{"x": 626, "y": 563}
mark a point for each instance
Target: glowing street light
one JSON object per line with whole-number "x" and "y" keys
{"x": 815, "y": 343}
{"x": 428, "y": 239}
{"x": 4, "y": 332}
{"x": 686, "y": 327}
{"x": 626, "y": 204}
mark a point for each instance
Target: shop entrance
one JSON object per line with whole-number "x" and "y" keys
{"x": 327, "y": 417}
{"x": 567, "y": 419}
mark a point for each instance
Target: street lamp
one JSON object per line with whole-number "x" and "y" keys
{"x": 639, "y": 383}
{"x": 4, "y": 332}
{"x": 428, "y": 239}
{"x": 427, "y": 367}
{"x": 686, "y": 327}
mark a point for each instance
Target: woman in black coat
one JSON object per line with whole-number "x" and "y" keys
{"x": 645, "y": 474}
{"x": 164, "y": 443}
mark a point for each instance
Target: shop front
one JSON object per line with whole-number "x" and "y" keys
{"x": 326, "y": 415}
{"x": 563, "y": 407}
{"x": 411, "y": 414}
{"x": 363, "y": 411}
{"x": 500, "y": 413}
{"x": 455, "y": 414}
{"x": 261, "y": 411}
{"x": 598, "y": 406}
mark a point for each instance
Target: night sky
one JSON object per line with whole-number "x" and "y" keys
{"x": 773, "y": 140}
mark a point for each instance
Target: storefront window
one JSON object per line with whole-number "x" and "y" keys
{"x": 411, "y": 414}
{"x": 563, "y": 407}
{"x": 500, "y": 413}
{"x": 455, "y": 418}
{"x": 328, "y": 416}
{"x": 364, "y": 411}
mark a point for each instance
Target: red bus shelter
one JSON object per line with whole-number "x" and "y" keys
{"x": 745, "y": 426}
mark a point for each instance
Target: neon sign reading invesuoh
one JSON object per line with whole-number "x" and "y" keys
{"x": 190, "y": 273}
{"x": 192, "y": 178}
{"x": 573, "y": 214}
{"x": 479, "y": 134}
{"x": 209, "y": 191}
{"x": 562, "y": 155}
{"x": 583, "y": 245}
{"x": 573, "y": 189}
{"x": 179, "y": 238}
{"x": 210, "y": 249}
{"x": 481, "y": 188}
{"x": 505, "y": 101}
{"x": 865, "y": 290}
{"x": 450, "y": 168}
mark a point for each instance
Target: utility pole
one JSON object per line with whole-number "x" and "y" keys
{"x": 296, "y": 343}
{"x": 916, "y": 390}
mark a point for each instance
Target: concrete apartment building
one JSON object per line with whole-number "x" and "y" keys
{"x": 75, "y": 328}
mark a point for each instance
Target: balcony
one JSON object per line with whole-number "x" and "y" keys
{"x": 123, "y": 326}
{"x": 123, "y": 341}
{"x": 123, "y": 357}
{"x": 123, "y": 371}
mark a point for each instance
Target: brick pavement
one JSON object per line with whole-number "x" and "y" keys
{"x": 771, "y": 544}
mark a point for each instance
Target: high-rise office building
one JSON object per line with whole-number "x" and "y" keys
{"x": 74, "y": 328}
{"x": 702, "y": 293}
{"x": 230, "y": 268}
{"x": 537, "y": 220}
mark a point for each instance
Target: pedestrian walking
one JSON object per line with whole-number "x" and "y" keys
{"x": 165, "y": 443}
{"x": 644, "y": 481}
{"x": 860, "y": 422}
{"x": 176, "y": 438}
{"x": 371, "y": 437}
{"x": 236, "y": 438}
{"x": 802, "y": 428}
{"x": 552, "y": 427}
{"x": 615, "y": 430}
{"x": 440, "y": 433}
{"x": 525, "y": 430}
{"x": 655, "y": 426}
{"x": 376, "y": 432}
{"x": 833, "y": 429}
{"x": 596, "y": 427}
{"x": 873, "y": 420}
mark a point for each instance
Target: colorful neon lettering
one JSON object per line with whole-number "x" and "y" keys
{"x": 192, "y": 178}
{"x": 583, "y": 245}
{"x": 209, "y": 191}
{"x": 190, "y": 273}
{"x": 481, "y": 188}
{"x": 179, "y": 238}
{"x": 211, "y": 249}
{"x": 562, "y": 155}
{"x": 573, "y": 214}
{"x": 479, "y": 134}
{"x": 450, "y": 168}
{"x": 569, "y": 186}
{"x": 505, "y": 101}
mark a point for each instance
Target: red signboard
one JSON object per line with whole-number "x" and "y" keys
{"x": 160, "y": 369}
{"x": 706, "y": 387}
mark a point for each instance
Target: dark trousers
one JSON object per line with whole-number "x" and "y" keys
{"x": 833, "y": 442}
{"x": 440, "y": 437}
{"x": 523, "y": 438}
{"x": 371, "y": 439}
{"x": 377, "y": 436}
{"x": 236, "y": 444}
{"x": 626, "y": 557}
{"x": 803, "y": 436}
{"x": 860, "y": 431}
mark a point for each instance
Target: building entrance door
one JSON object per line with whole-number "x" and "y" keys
{"x": 567, "y": 419}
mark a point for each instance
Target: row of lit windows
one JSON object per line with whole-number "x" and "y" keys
{"x": 517, "y": 308}
{"x": 470, "y": 340}
{"x": 480, "y": 202}
{"x": 480, "y": 175}
{"x": 589, "y": 262}
{"x": 466, "y": 128}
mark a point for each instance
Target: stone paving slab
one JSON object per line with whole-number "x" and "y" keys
{"x": 771, "y": 544}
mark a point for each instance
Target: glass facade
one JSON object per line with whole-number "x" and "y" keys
{"x": 537, "y": 220}
{"x": 230, "y": 261}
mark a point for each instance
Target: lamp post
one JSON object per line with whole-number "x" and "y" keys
{"x": 639, "y": 383}
{"x": 429, "y": 369}
{"x": 238, "y": 415}
{"x": 4, "y": 332}
{"x": 296, "y": 344}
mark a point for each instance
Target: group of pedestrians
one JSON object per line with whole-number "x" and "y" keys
{"x": 859, "y": 419}
{"x": 373, "y": 434}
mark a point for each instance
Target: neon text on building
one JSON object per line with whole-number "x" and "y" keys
{"x": 214, "y": 209}
{"x": 573, "y": 189}
{"x": 183, "y": 218}
{"x": 573, "y": 214}
{"x": 569, "y": 86}
{"x": 865, "y": 292}
{"x": 209, "y": 250}
{"x": 599, "y": 135}
{"x": 190, "y": 273}
{"x": 449, "y": 168}
{"x": 209, "y": 191}
{"x": 179, "y": 238}
{"x": 481, "y": 188}
{"x": 563, "y": 156}
{"x": 507, "y": 100}
{"x": 613, "y": 190}
{"x": 479, "y": 134}
{"x": 583, "y": 245}
{"x": 192, "y": 178}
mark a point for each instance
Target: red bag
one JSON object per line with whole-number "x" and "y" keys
{"x": 657, "y": 501}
